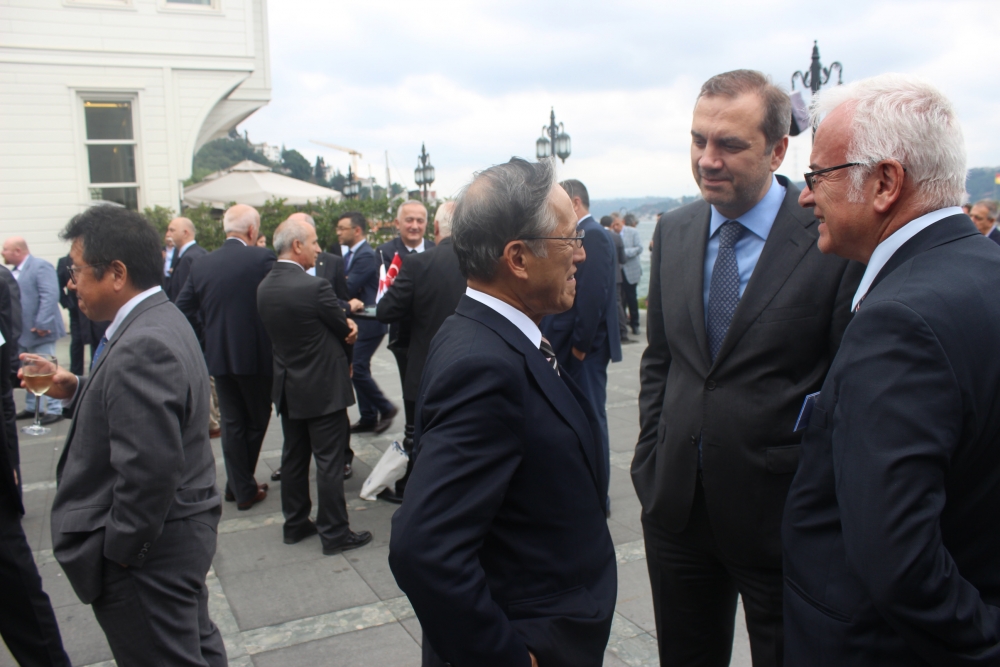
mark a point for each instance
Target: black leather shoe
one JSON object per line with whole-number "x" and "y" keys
{"x": 24, "y": 414}
{"x": 385, "y": 421}
{"x": 348, "y": 471}
{"x": 230, "y": 498}
{"x": 50, "y": 419}
{"x": 276, "y": 475}
{"x": 635, "y": 330}
{"x": 302, "y": 533}
{"x": 261, "y": 495}
{"x": 390, "y": 496}
{"x": 362, "y": 427}
{"x": 353, "y": 541}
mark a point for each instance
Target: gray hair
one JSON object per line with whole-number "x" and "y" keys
{"x": 504, "y": 203}
{"x": 443, "y": 217}
{"x": 904, "y": 118}
{"x": 777, "y": 105}
{"x": 240, "y": 218}
{"x": 990, "y": 205}
{"x": 288, "y": 232}
{"x": 410, "y": 202}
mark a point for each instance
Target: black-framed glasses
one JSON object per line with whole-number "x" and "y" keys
{"x": 811, "y": 176}
{"x": 74, "y": 270}
{"x": 577, "y": 240}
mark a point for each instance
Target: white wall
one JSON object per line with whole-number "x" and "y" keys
{"x": 192, "y": 74}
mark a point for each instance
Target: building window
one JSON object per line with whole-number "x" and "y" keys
{"x": 111, "y": 152}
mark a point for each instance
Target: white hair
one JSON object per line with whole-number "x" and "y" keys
{"x": 410, "y": 202}
{"x": 903, "y": 118}
{"x": 240, "y": 218}
{"x": 443, "y": 218}
{"x": 288, "y": 232}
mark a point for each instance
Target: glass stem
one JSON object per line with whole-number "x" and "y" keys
{"x": 38, "y": 407}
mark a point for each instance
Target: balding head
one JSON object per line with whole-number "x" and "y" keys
{"x": 15, "y": 249}
{"x": 295, "y": 239}
{"x": 181, "y": 231}
{"x": 243, "y": 222}
{"x": 302, "y": 217}
{"x": 442, "y": 220}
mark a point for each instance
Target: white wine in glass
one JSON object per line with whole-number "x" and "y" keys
{"x": 38, "y": 371}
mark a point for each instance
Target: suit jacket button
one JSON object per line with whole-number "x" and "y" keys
{"x": 710, "y": 385}
{"x": 146, "y": 545}
{"x": 141, "y": 556}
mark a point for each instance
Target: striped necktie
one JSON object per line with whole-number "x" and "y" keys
{"x": 550, "y": 355}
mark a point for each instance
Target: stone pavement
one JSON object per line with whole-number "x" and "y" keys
{"x": 291, "y": 606}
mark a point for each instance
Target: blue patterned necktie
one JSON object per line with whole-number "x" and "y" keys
{"x": 724, "y": 293}
{"x": 347, "y": 260}
{"x": 97, "y": 352}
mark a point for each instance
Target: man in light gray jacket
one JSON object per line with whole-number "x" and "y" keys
{"x": 41, "y": 322}
{"x": 631, "y": 269}
{"x": 136, "y": 508}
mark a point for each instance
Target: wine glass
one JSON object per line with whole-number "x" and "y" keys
{"x": 39, "y": 370}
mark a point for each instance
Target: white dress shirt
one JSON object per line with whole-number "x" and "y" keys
{"x": 17, "y": 269}
{"x": 510, "y": 313}
{"x": 887, "y": 248}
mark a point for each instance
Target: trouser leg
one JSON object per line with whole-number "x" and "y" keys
{"x": 632, "y": 301}
{"x": 328, "y": 436}
{"x": 410, "y": 409}
{"x": 371, "y": 400}
{"x": 296, "y": 455}
{"x": 761, "y": 592}
{"x": 256, "y": 390}
{"x": 27, "y": 623}
{"x": 235, "y": 439}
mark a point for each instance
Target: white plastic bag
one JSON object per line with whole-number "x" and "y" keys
{"x": 389, "y": 470}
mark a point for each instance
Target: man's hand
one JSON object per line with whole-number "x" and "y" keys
{"x": 357, "y": 305}
{"x": 534, "y": 660}
{"x": 353, "y": 336}
{"x": 41, "y": 332}
{"x": 578, "y": 354}
{"x": 350, "y": 370}
{"x": 64, "y": 383}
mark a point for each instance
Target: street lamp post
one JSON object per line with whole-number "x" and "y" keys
{"x": 817, "y": 76}
{"x": 424, "y": 173}
{"x": 556, "y": 138}
{"x": 352, "y": 188}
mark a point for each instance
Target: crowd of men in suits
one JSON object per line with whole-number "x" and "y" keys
{"x": 818, "y": 425}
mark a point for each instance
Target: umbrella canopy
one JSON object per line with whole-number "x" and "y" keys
{"x": 253, "y": 184}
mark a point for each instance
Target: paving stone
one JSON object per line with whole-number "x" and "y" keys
{"x": 635, "y": 602}
{"x": 384, "y": 645}
{"x": 372, "y": 563}
{"x": 251, "y": 550}
{"x": 82, "y": 637}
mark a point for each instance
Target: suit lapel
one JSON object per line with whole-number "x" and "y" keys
{"x": 692, "y": 246}
{"x": 786, "y": 245}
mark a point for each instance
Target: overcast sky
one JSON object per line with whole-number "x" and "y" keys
{"x": 475, "y": 80}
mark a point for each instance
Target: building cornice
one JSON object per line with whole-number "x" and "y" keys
{"x": 78, "y": 58}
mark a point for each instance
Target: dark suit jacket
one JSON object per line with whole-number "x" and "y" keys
{"x": 220, "y": 302}
{"x": 592, "y": 322}
{"x": 137, "y": 453}
{"x": 892, "y": 525}
{"x": 783, "y": 336}
{"x": 619, "y": 253}
{"x": 331, "y": 267}
{"x": 182, "y": 269}
{"x": 307, "y": 328}
{"x": 10, "y": 458}
{"x": 362, "y": 284}
{"x": 995, "y": 235}
{"x": 425, "y": 294}
{"x": 502, "y": 543}
{"x": 67, "y": 298}
{"x": 399, "y": 330}
{"x": 10, "y": 313}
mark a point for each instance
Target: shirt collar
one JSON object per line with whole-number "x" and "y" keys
{"x": 356, "y": 246}
{"x": 510, "y": 313}
{"x": 419, "y": 248}
{"x": 292, "y": 261}
{"x": 887, "y": 248}
{"x": 760, "y": 218}
{"x": 129, "y": 306}
{"x": 585, "y": 216}
{"x": 187, "y": 245}
{"x": 20, "y": 267}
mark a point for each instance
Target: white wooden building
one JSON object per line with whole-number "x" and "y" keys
{"x": 110, "y": 99}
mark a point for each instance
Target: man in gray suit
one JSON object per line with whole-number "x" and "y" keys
{"x": 136, "y": 508}
{"x": 631, "y": 267}
{"x": 41, "y": 322}
{"x": 745, "y": 315}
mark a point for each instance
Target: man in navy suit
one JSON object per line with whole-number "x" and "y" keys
{"x": 586, "y": 337}
{"x": 984, "y": 215}
{"x": 186, "y": 249}
{"x": 502, "y": 545}
{"x": 891, "y": 529}
{"x": 362, "y": 287}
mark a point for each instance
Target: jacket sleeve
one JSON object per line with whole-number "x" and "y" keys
{"x": 593, "y": 278}
{"x": 147, "y": 407}
{"x": 330, "y": 313}
{"x": 896, "y": 426}
{"x": 189, "y": 303}
{"x": 48, "y": 298}
{"x": 633, "y": 243}
{"x": 469, "y": 448}
{"x": 653, "y": 371}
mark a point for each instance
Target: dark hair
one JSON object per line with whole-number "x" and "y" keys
{"x": 574, "y": 189}
{"x": 503, "y": 203}
{"x": 110, "y": 233}
{"x": 630, "y": 220}
{"x": 357, "y": 220}
{"x": 606, "y": 221}
{"x": 777, "y": 105}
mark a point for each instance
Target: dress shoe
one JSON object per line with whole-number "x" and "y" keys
{"x": 24, "y": 414}
{"x": 50, "y": 419}
{"x": 348, "y": 471}
{"x": 261, "y": 494}
{"x": 352, "y": 541}
{"x": 230, "y": 498}
{"x": 302, "y": 533}
{"x": 390, "y": 496}
{"x": 635, "y": 330}
{"x": 385, "y": 420}
{"x": 276, "y": 475}
{"x": 361, "y": 426}
{"x": 214, "y": 433}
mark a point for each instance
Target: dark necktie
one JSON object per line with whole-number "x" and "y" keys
{"x": 550, "y": 355}
{"x": 724, "y": 292}
{"x": 97, "y": 352}
{"x": 347, "y": 260}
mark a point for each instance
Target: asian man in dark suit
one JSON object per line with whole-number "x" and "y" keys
{"x": 744, "y": 317}
{"x": 312, "y": 387}
{"x": 502, "y": 545}
{"x": 136, "y": 508}
{"x": 220, "y": 299}
{"x": 182, "y": 232}
{"x": 376, "y": 411}
{"x": 892, "y": 525}
{"x": 424, "y": 295}
{"x": 586, "y": 337}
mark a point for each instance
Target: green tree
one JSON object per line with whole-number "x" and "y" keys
{"x": 295, "y": 165}
{"x": 207, "y": 223}
{"x": 222, "y": 154}
{"x": 319, "y": 172}
{"x": 337, "y": 181}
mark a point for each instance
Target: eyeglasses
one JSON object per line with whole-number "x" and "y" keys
{"x": 577, "y": 240}
{"x": 811, "y": 176}
{"x": 74, "y": 270}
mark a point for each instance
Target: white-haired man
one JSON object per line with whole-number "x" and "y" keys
{"x": 891, "y": 530}
{"x": 186, "y": 249}
{"x": 220, "y": 301}
{"x": 984, "y": 215}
